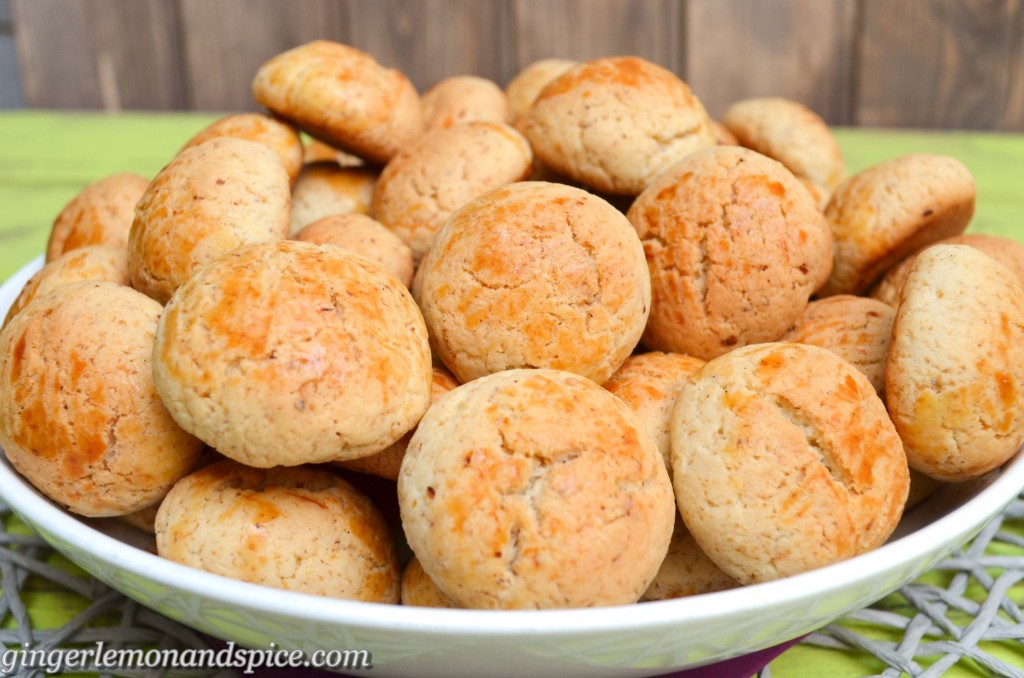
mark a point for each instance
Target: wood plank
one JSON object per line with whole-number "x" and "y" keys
{"x": 938, "y": 63}
{"x": 10, "y": 87}
{"x": 1012, "y": 118}
{"x": 799, "y": 49}
{"x": 226, "y": 41}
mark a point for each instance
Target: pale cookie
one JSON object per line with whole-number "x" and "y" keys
{"x": 419, "y": 590}
{"x": 955, "y": 376}
{"x": 535, "y": 489}
{"x": 686, "y": 571}
{"x": 463, "y": 98}
{"x": 723, "y": 136}
{"x": 317, "y": 151}
{"x": 921, "y": 487}
{"x": 856, "y": 329}
{"x": 425, "y": 183}
{"x": 80, "y": 417}
{"x": 649, "y": 383}
{"x": 278, "y": 136}
{"x": 535, "y": 275}
{"x": 289, "y": 353}
{"x": 91, "y": 262}
{"x": 100, "y": 215}
{"x": 299, "y": 529}
{"x": 617, "y": 123}
{"x": 209, "y": 200}
{"x": 342, "y": 96}
{"x": 364, "y": 236}
{"x": 325, "y": 189}
{"x": 785, "y": 461}
{"x": 522, "y": 90}
{"x": 888, "y": 211}
{"x": 735, "y": 247}
{"x": 791, "y": 133}
{"x": 387, "y": 463}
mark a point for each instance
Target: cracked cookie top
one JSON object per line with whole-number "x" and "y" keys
{"x": 278, "y": 136}
{"x": 101, "y": 214}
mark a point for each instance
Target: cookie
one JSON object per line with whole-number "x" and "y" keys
{"x": 364, "y": 236}
{"x": 287, "y": 353}
{"x": 522, "y": 90}
{"x": 535, "y": 489}
{"x": 425, "y": 183}
{"x": 210, "y": 199}
{"x": 534, "y": 275}
{"x": 735, "y": 248}
{"x": 463, "y": 98}
{"x": 80, "y": 417}
{"x": 856, "y": 329}
{"x": 723, "y": 136}
{"x": 785, "y": 461}
{"x": 419, "y": 590}
{"x": 299, "y": 529}
{"x": 326, "y": 189}
{"x": 278, "y": 136}
{"x": 954, "y": 379}
{"x": 888, "y": 211}
{"x": 686, "y": 570}
{"x": 100, "y": 215}
{"x": 616, "y": 123}
{"x": 343, "y": 97}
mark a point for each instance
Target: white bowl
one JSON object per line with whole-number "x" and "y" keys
{"x": 638, "y": 640}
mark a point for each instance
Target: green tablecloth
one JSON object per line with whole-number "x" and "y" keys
{"x": 46, "y": 158}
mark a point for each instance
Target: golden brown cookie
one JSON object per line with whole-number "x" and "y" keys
{"x": 523, "y": 89}
{"x": 463, "y": 98}
{"x": 278, "y": 136}
{"x": 535, "y": 489}
{"x": 735, "y": 247}
{"x": 289, "y": 353}
{"x": 342, "y": 96}
{"x": 617, "y": 123}
{"x": 884, "y": 213}
{"x": 955, "y": 376}
{"x": 325, "y": 189}
{"x": 856, "y": 329}
{"x": 362, "y": 235}
{"x": 686, "y": 570}
{"x": 79, "y": 414}
{"x": 723, "y": 136}
{"x": 299, "y": 529}
{"x": 535, "y": 275}
{"x": 209, "y": 200}
{"x": 445, "y": 169}
{"x": 100, "y": 215}
{"x": 419, "y": 590}
{"x": 785, "y": 461}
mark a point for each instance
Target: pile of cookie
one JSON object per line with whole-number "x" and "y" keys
{"x": 569, "y": 344}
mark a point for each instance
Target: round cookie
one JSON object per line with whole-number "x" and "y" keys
{"x": 278, "y": 136}
{"x": 386, "y": 463}
{"x": 791, "y": 133}
{"x": 617, "y": 123}
{"x": 362, "y": 235}
{"x": 856, "y": 329}
{"x": 534, "y": 275}
{"x": 735, "y": 247}
{"x": 463, "y": 98}
{"x": 649, "y": 383}
{"x": 723, "y": 136}
{"x": 686, "y": 571}
{"x": 100, "y": 215}
{"x": 419, "y": 590}
{"x": 289, "y": 353}
{"x": 299, "y": 529}
{"x": 522, "y": 90}
{"x": 209, "y": 200}
{"x": 80, "y": 417}
{"x": 1006, "y": 251}
{"x": 91, "y": 262}
{"x": 342, "y": 96}
{"x": 884, "y": 213}
{"x": 535, "y": 489}
{"x": 785, "y": 461}
{"x": 325, "y": 189}
{"x": 955, "y": 375}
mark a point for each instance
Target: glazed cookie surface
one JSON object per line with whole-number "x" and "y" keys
{"x": 785, "y": 461}
{"x": 210, "y": 199}
{"x": 888, "y": 211}
{"x": 522, "y": 90}
{"x": 81, "y": 418}
{"x": 326, "y": 189}
{"x": 278, "y": 136}
{"x": 342, "y": 96}
{"x": 534, "y": 275}
{"x": 300, "y": 529}
{"x": 735, "y": 247}
{"x": 616, "y": 123}
{"x": 419, "y": 590}
{"x": 954, "y": 378}
{"x": 364, "y": 236}
{"x": 463, "y": 98}
{"x": 289, "y": 353}
{"x": 535, "y": 489}
{"x": 100, "y": 215}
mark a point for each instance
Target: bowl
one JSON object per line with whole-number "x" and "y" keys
{"x": 647, "y": 639}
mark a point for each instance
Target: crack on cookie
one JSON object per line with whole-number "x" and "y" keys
{"x": 817, "y": 441}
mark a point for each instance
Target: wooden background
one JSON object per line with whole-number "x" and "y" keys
{"x": 911, "y": 63}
